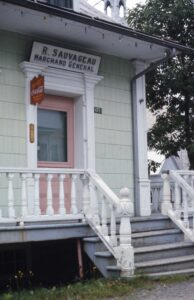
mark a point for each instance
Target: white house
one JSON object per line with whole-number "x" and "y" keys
{"x": 91, "y": 120}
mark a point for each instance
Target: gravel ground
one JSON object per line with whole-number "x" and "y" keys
{"x": 171, "y": 291}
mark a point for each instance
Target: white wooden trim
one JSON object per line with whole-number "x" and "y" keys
{"x": 64, "y": 83}
{"x": 143, "y": 207}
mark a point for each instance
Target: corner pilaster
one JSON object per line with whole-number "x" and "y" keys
{"x": 90, "y": 82}
{"x": 142, "y": 183}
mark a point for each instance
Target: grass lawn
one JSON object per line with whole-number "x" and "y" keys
{"x": 90, "y": 290}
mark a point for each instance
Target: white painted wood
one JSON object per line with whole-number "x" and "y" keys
{"x": 74, "y": 209}
{"x": 142, "y": 183}
{"x": 34, "y": 177}
{"x": 166, "y": 201}
{"x": 185, "y": 209}
{"x": 64, "y": 83}
{"x": 62, "y": 209}
{"x": 90, "y": 82}
{"x": 183, "y": 182}
{"x": 49, "y": 210}
{"x": 37, "y": 211}
{"x": 113, "y": 237}
{"x": 24, "y": 195}
{"x": 11, "y": 210}
{"x": 104, "y": 227}
{"x": 125, "y": 250}
{"x": 94, "y": 204}
{"x": 86, "y": 194}
{"x": 177, "y": 205}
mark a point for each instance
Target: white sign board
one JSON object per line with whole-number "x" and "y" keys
{"x": 62, "y": 58}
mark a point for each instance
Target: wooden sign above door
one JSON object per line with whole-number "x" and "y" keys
{"x": 37, "y": 89}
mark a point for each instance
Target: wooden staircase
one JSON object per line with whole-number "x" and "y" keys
{"x": 159, "y": 249}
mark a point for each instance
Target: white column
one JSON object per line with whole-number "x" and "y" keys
{"x": 143, "y": 199}
{"x": 90, "y": 82}
{"x": 31, "y": 115}
{"x": 30, "y": 70}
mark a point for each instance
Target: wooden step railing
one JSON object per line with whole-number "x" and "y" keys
{"x": 105, "y": 213}
{"x": 182, "y": 210}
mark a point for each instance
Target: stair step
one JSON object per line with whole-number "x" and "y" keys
{"x": 170, "y": 273}
{"x": 113, "y": 271}
{"x": 155, "y": 233}
{"x": 168, "y": 250}
{"x": 103, "y": 254}
{"x": 165, "y": 264}
{"x": 153, "y": 222}
{"x": 165, "y": 261}
{"x": 162, "y": 247}
{"x": 113, "y": 268}
{"x": 148, "y": 238}
{"x": 92, "y": 239}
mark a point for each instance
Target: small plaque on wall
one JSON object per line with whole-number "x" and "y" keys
{"x": 98, "y": 110}
{"x": 37, "y": 90}
{"x": 31, "y": 133}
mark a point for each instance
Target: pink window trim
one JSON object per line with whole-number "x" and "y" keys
{"x": 61, "y": 104}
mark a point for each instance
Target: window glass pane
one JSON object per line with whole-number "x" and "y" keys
{"x": 52, "y": 135}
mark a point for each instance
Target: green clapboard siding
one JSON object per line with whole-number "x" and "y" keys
{"x": 13, "y": 50}
{"x": 113, "y": 128}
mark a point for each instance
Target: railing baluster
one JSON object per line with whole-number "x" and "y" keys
{"x": 62, "y": 209}
{"x": 104, "y": 228}
{"x": 177, "y": 205}
{"x": 49, "y": 210}
{"x": 166, "y": 203}
{"x": 185, "y": 211}
{"x": 125, "y": 251}
{"x": 24, "y": 195}
{"x": 86, "y": 194}
{"x": 113, "y": 237}
{"x": 94, "y": 204}
{"x": 155, "y": 199}
{"x": 74, "y": 209}
{"x": 11, "y": 210}
{"x": 37, "y": 211}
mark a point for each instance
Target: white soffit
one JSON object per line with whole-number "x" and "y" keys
{"x": 42, "y": 25}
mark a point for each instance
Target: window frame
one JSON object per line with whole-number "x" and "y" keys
{"x": 61, "y": 104}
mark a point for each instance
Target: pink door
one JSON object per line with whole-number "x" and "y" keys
{"x": 55, "y": 145}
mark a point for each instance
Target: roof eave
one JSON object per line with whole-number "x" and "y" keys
{"x": 99, "y": 23}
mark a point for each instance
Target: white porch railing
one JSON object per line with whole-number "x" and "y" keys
{"x": 62, "y": 194}
{"x": 28, "y": 195}
{"x": 182, "y": 212}
{"x": 105, "y": 209}
{"x": 156, "y": 185}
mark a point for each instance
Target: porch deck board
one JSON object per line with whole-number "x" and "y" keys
{"x": 43, "y": 232}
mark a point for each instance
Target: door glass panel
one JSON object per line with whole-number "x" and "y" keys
{"x": 52, "y": 135}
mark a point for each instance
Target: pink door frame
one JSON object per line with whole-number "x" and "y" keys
{"x": 65, "y": 104}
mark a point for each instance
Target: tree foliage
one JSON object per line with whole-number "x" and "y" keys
{"x": 170, "y": 88}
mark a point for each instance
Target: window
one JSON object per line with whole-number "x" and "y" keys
{"x": 55, "y": 132}
{"x": 52, "y": 135}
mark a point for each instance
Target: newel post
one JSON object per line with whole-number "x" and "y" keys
{"x": 166, "y": 201}
{"x": 125, "y": 253}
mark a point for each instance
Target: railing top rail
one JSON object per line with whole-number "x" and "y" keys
{"x": 185, "y": 172}
{"x": 103, "y": 187}
{"x": 176, "y": 176}
{"x": 42, "y": 170}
